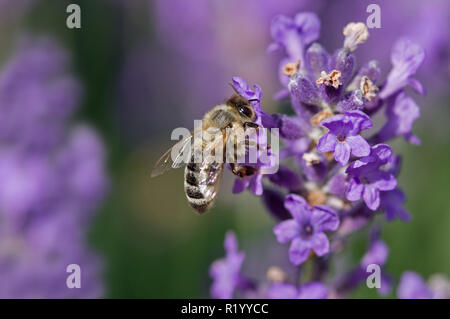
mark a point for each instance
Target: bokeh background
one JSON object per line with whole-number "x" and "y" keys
{"x": 147, "y": 67}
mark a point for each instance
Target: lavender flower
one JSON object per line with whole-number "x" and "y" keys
{"x": 367, "y": 180}
{"x": 53, "y": 178}
{"x": 226, "y": 271}
{"x": 306, "y": 230}
{"x": 412, "y": 286}
{"x": 343, "y": 138}
{"x": 401, "y": 112}
{"x": 294, "y": 34}
{"x": 333, "y": 102}
{"x": 37, "y": 94}
{"x": 406, "y": 58}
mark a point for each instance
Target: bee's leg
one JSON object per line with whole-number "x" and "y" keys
{"x": 254, "y": 144}
{"x": 252, "y": 125}
{"x": 249, "y": 143}
{"x": 243, "y": 170}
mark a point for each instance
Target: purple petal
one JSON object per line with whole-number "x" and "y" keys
{"x": 324, "y": 219}
{"x": 401, "y": 112}
{"x": 230, "y": 242}
{"x": 309, "y": 24}
{"x": 327, "y": 143}
{"x": 386, "y": 182}
{"x": 412, "y": 286}
{"x": 371, "y": 197}
{"x": 320, "y": 244}
{"x": 337, "y": 124}
{"x": 286, "y": 231}
{"x": 240, "y": 185}
{"x": 256, "y": 184}
{"x": 313, "y": 290}
{"x": 355, "y": 190}
{"x": 406, "y": 58}
{"x": 416, "y": 85}
{"x": 383, "y": 153}
{"x": 342, "y": 153}
{"x": 286, "y": 178}
{"x": 359, "y": 145}
{"x": 282, "y": 291}
{"x": 299, "y": 251}
{"x": 377, "y": 254}
{"x": 392, "y": 203}
{"x": 361, "y": 121}
{"x": 386, "y": 284}
{"x": 298, "y": 207}
{"x": 337, "y": 185}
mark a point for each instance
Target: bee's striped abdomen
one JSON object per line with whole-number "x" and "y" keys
{"x": 200, "y": 184}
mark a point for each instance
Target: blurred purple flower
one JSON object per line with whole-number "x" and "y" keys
{"x": 226, "y": 272}
{"x": 401, "y": 113}
{"x": 310, "y": 290}
{"x": 53, "y": 179}
{"x": 392, "y": 202}
{"x": 37, "y": 94}
{"x": 406, "y": 58}
{"x": 294, "y": 34}
{"x": 412, "y": 286}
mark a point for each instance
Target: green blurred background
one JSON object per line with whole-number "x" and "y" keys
{"x": 153, "y": 244}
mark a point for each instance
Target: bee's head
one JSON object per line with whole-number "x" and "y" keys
{"x": 243, "y": 106}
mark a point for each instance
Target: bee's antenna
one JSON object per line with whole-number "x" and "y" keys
{"x": 234, "y": 89}
{"x": 252, "y": 100}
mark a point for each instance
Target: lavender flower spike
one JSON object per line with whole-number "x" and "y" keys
{"x": 225, "y": 272}
{"x": 306, "y": 230}
{"x": 343, "y": 137}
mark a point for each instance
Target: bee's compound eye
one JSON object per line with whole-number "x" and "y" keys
{"x": 245, "y": 111}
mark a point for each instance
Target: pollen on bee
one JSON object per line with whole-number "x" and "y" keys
{"x": 330, "y": 79}
{"x": 291, "y": 68}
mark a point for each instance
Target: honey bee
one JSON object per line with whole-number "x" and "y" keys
{"x": 201, "y": 180}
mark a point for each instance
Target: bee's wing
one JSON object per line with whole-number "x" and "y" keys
{"x": 209, "y": 183}
{"x": 167, "y": 161}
